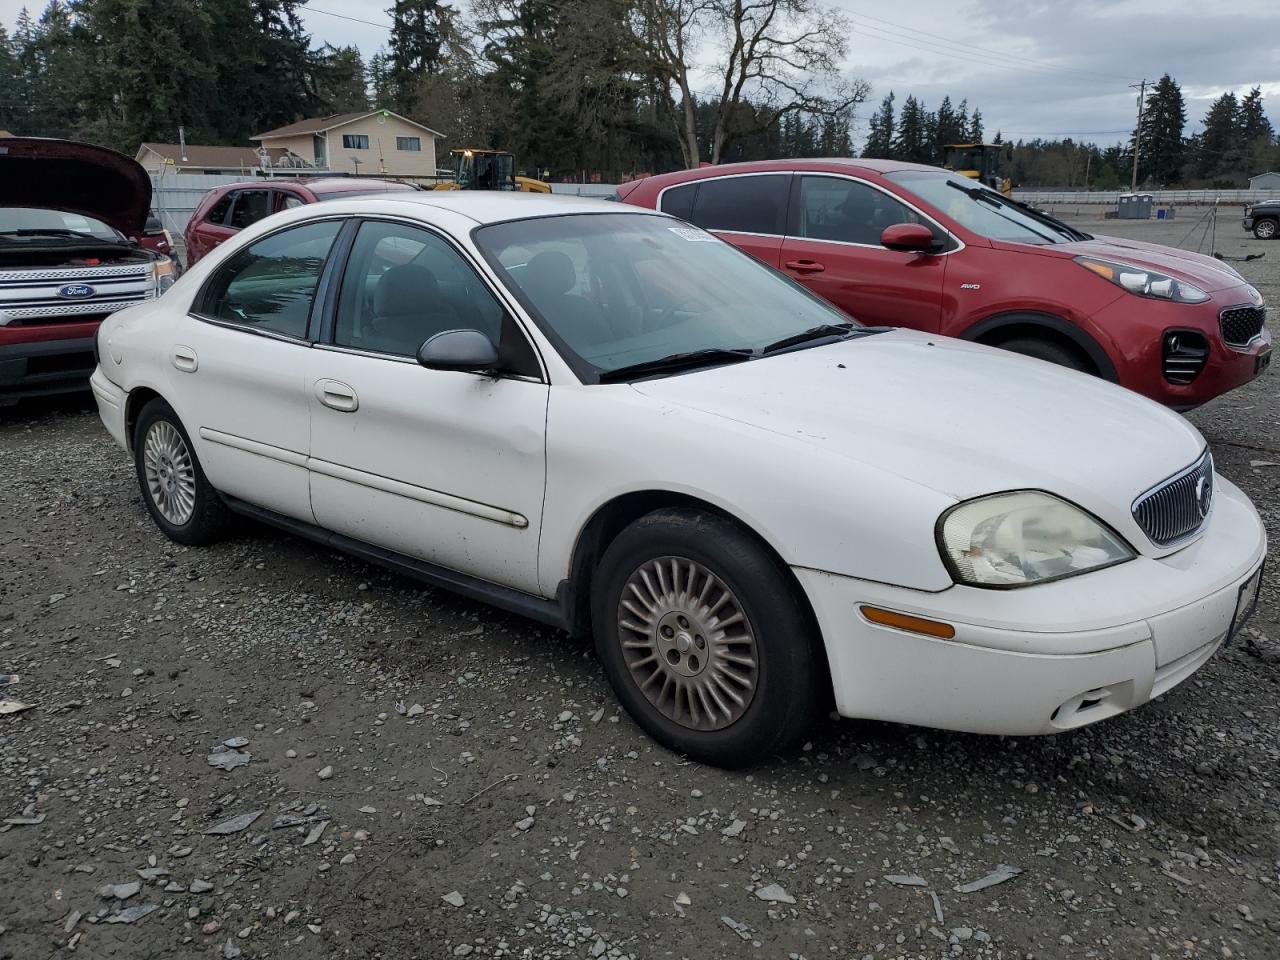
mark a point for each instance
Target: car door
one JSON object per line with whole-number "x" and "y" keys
{"x": 748, "y": 210}
{"x": 238, "y": 365}
{"x": 443, "y": 466}
{"x": 833, "y": 248}
{"x": 210, "y": 231}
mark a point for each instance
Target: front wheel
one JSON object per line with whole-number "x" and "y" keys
{"x": 704, "y": 638}
{"x": 1048, "y": 351}
{"x": 1265, "y": 229}
{"x": 178, "y": 496}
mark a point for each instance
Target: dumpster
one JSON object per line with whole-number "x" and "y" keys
{"x": 1134, "y": 206}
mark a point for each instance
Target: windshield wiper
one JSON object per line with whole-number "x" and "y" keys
{"x": 51, "y": 232}
{"x": 996, "y": 202}
{"x": 820, "y": 332}
{"x": 712, "y": 356}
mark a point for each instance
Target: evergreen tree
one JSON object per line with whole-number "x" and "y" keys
{"x": 13, "y": 92}
{"x": 340, "y": 79}
{"x": 421, "y": 33}
{"x": 1217, "y": 149}
{"x": 911, "y": 140}
{"x": 1254, "y": 126}
{"x": 975, "y": 127}
{"x": 1163, "y": 148}
{"x": 879, "y": 143}
{"x": 947, "y": 129}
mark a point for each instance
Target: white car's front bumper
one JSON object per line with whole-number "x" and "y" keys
{"x": 111, "y": 406}
{"x": 1047, "y": 658}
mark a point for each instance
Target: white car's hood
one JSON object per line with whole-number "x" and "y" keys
{"x": 958, "y": 417}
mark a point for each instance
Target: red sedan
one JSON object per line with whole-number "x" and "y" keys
{"x": 899, "y": 244}
{"x": 225, "y": 211}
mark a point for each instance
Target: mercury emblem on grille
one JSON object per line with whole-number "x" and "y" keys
{"x": 1204, "y": 495}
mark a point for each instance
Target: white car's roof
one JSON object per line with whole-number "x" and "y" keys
{"x": 491, "y": 206}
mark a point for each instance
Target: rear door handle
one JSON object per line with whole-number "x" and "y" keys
{"x": 185, "y": 359}
{"x": 804, "y": 266}
{"x": 337, "y": 396}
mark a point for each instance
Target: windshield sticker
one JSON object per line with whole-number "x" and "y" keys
{"x": 692, "y": 234}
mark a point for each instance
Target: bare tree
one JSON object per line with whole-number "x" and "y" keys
{"x": 781, "y": 55}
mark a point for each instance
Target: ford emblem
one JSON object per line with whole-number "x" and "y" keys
{"x": 76, "y": 291}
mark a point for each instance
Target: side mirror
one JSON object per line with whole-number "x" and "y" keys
{"x": 467, "y": 350}
{"x": 153, "y": 227}
{"x": 911, "y": 237}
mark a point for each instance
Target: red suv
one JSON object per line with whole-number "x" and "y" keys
{"x": 900, "y": 244}
{"x": 225, "y": 211}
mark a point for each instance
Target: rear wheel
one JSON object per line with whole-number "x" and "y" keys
{"x": 1265, "y": 229}
{"x": 1048, "y": 350}
{"x": 704, "y": 638}
{"x": 178, "y": 496}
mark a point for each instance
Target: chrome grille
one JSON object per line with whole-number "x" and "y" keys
{"x": 1175, "y": 508}
{"x": 1242, "y": 325}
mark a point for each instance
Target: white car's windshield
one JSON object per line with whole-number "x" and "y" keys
{"x": 620, "y": 290}
{"x": 979, "y": 208}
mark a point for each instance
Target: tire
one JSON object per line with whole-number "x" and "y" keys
{"x": 718, "y": 567}
{"x": 1265, "y": 229}
{"x": 174, "y": 488}
{"x": 1049, "y": 351}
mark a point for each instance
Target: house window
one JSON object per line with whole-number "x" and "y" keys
{"x": 413, "y": 144}
{"x": 355, "y": 141}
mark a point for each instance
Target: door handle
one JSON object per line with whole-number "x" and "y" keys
{"x": 337, "y": 396}
{"x": 185, "y": 359}
{"x": 804, "y": 266}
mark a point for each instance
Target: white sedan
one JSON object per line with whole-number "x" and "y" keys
{"x": 612, "y": 422}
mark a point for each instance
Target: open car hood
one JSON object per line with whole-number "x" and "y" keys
{"x": 75, "y": 177}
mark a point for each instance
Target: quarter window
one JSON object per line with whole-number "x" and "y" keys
{"x": 413, "y": 144}
{"x": 250, "y": 207}
{"x": 836, "y": 208}
{"x": 678, "y": 201}
{"x": 752, "y": 204}
{"x": 355, "y": 141}
{"x": 270, "y": 285}
{"x": 403, "y": 285}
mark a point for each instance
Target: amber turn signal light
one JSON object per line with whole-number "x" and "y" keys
{"x": 904, "y": 621}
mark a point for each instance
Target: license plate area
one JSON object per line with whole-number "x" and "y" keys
{"x": 1246, "y": 603}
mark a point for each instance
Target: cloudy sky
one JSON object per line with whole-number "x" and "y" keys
{"x": 1035, "y": 67}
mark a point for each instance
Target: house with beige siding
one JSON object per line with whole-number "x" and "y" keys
{"x": 374, "y": 143}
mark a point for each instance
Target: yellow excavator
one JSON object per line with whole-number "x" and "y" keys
{"x": 475, "y": 168}
{"x": 981, "y": 162}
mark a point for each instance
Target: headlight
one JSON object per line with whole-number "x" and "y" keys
{"x": 1143, "y": 282}
{"x": 165, "y": 275}
{"x": 1017, "y": 539}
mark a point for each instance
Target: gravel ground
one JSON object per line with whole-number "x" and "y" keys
{"x": 510, "y": 810}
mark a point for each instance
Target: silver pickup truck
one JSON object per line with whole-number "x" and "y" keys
{"x": 72, "y": 229}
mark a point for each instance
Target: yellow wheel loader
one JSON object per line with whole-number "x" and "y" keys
{"x": 981, "y": 162}
{"x": 479, "y": 169}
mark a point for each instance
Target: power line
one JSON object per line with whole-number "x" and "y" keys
{"x": 914, "y": 32}
{"x": 343, "y": 16}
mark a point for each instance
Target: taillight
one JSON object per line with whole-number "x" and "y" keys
{"x": 1184, "y": 356}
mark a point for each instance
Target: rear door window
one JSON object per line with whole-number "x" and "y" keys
{"x": 746, "y": 204}
{"x": 250, "y": 207}
{"x": 270, "y": 285}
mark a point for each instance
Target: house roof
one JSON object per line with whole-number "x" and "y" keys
{"x": 5, "y": 133}
{"x": 194, "y": 155}
{"x": 1266, "y": 173}
{"x": 321, "y": 124}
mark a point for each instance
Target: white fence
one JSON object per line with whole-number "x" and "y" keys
{"x": 1160, "y": 197}
{"x": 176, "y": 196}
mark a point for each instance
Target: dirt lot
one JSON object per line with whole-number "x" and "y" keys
{"x": 511, "y": 811}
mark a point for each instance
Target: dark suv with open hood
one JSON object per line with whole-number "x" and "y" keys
{"x": 72, "y": 216}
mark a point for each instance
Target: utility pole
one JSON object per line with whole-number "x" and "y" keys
{"x": 1137, "y": 134}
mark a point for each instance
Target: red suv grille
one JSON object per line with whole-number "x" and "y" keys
{"x": 1242, "y": 325}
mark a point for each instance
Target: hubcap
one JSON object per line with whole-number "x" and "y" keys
{"x": 687, "y": 643}
{"x": 171, "y": 478}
